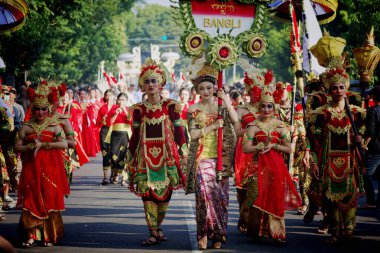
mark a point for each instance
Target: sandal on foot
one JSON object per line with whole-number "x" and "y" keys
{"x": 29, "y": 243}
{"x": 152, "y": 240}
{"x": 202, "y": 243}
{"x": 216, "y": 245}
{"x": 48, "y": 244}
{"x": 160, "y": 235}
{"x": 323, "y": 230}
{"x": 280, "y": 242}
{"x": 105, "y": 181}
{"x": 123, "y": 183}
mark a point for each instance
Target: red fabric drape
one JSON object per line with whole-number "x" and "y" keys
{"x": 276, "y": 190}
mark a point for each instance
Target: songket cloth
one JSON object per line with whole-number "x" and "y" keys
{"x": 212, "y": 201}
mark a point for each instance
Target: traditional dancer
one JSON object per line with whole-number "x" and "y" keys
{"x": 270, "y": 187}
{"x": 211, "y": 194}
{"x": 155, "y": 147}
{"x": 337, "y": 165}
{"x": 41, "y": 142}
{"x": 247, "y": 113}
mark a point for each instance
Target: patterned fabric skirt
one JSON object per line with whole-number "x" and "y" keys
{"x": 211, "y": 202}
{"x": 119, "y": 145}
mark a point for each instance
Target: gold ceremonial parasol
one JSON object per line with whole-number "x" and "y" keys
{"x": 12, "y": 15}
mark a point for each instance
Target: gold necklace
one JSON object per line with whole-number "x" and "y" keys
{"x": 211, "y": 108}
{"x": 38, "y": 128}
{"x": 267, "y": 129}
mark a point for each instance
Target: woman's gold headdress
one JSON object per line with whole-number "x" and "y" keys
{"x": 201, "y": 71}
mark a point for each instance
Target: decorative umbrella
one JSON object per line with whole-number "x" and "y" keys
{"x": 12, "y": 15}
{"x": 325, "y": 10}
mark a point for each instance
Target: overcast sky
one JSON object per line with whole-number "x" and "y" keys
{"x": 161, "y": 2}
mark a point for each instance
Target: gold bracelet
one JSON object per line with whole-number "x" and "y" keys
{"x": 46, "y": 145}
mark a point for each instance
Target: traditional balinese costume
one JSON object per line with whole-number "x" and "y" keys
{"x": 211, "y": 193}
{"x": 43, "y": 182}
{"x": 253, "y": 79}
{"x": 90, "y": 145}
{"x": 270, "y": 190}
{"x": 337, "y": 158}
{"x": 155, "y": 147}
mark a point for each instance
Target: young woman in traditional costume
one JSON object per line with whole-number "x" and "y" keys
{"x": 270, "y": 190}
{"x": 211, "y": 192}
{"x": 155, "y": 150}
{"x": 101, "y": 121}
{"x": 119, "y": 119}
{"x": 89, "y": 141}
{"x": 247, "y": 113}
{"x": 41, "y": 142}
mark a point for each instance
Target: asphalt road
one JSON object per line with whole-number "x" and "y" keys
{"x": 111, "y": 219}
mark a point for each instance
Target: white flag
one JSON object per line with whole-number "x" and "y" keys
{"x": 315, "y": 33}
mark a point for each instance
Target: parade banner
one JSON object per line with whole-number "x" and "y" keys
{"x": 217, "y": 18}
{"x": 221, "y": 30}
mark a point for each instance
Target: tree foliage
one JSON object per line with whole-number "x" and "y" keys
{"x": 66, "y": 40}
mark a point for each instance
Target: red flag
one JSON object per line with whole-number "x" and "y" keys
{"x": 114, "y": 79}
{"x": 173, "y": 77}
{"x": 182, "y": 76}
{"x": 107, "y": 78}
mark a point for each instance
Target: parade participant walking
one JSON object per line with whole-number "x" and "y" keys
{"x": 270, "y": 187}
{"x": 119, "y": 118}
{"x": 211, "y": 193}
{"x": 184, "y": 96}
{"x": 298, "y": 161}
{"x": 372, "y": 144}
{"x": 337, "y": 166}
{"x": 90, "y": 145}
{"x": 101, "y": 121}
{"x": 247, "y": 113}
{"x": 155, "y": 147}
{"x": 41, "y": 142}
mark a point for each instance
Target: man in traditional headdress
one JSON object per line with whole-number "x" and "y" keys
{"x": 156, "y": 147}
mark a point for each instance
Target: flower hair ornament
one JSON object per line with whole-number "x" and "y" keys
{"x": 151, "y": 70}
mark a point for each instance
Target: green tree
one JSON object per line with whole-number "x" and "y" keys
{"x": 66, "y": 40}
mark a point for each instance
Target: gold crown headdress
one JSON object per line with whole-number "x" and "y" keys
{"x": 46, "y": 94}
{"x": 200, "y": 70}
{"x": 151, "y": 69}
{"x": 269, "y": 93}
{"x": 327, "y": 48}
